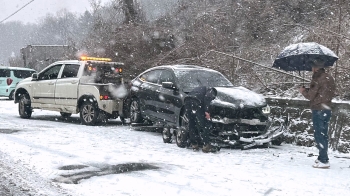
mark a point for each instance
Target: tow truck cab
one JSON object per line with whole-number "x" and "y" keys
{"x": 92, "y": 87}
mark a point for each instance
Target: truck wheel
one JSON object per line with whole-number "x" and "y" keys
{"x": 24, "y": 106}
{"x": 65, "y": 115}
{"x": 135, "y": 111}
{"x": 89, "y": 113}
{"x": 11, "y": 95}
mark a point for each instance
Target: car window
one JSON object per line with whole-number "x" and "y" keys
{"x": 70, "y": 70}
{"x": 23, "y": 73}
{"x": 51, "y": 73}
{"x": 151, "y": 76}
{"x": 166, "y": 76}
{"x": 5, "y": 73}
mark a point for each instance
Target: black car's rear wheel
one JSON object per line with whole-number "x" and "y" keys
{"x": 135, "y": 111}
{"x": 167, "y": 136}
{"x": 89, "y": 113}
{"x": 24, "y": 106}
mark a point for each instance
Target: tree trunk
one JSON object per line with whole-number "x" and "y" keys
{"x": 130, "y": 12}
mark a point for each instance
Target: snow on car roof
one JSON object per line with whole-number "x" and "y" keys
{"x": 16, "y": 68}
{"x": 184, "y": 67}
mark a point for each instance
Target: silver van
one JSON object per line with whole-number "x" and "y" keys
{"x": 9, "y": 78}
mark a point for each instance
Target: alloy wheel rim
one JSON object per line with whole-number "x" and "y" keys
{"x": 88, "y": 113}
{"x": 21, "y": 107}
{"x": 134, "y": 111}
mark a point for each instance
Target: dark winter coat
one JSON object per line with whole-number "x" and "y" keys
{"x": 321, "y": 92}
{"x": 204, "y": 95}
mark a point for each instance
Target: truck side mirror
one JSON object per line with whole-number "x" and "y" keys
{"x": 35, "y": 76}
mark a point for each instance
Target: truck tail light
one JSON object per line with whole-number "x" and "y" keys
{"x": 9, "y": 81}
{"x": 104, "y": 97}
{"x": 118, "y": 70}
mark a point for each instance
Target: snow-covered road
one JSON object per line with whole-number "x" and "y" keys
{"x": 54, "y": 156}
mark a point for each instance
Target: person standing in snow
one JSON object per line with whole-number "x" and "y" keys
{"x": 197, "y": 108}
{"x": 320, "y": 94}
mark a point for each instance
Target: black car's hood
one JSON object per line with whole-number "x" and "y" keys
{"x": 237, "y": 98}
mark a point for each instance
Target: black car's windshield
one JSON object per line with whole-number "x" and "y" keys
{"x": 190, "y": 79}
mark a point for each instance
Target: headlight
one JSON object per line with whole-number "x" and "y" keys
{"x": 266, "y": 110}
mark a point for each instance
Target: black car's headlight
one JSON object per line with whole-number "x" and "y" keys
{"x": 266, "y": 109}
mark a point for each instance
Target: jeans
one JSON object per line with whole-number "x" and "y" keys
{"x": 320, "y": 119}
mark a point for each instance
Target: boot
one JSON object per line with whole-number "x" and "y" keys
{"x": 195, "y": 147}
{"x": 209, "y": 148}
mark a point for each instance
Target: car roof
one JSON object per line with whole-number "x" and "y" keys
{"x": 92, "y": 61}
{"x": 16, "y": 68}
{"x": 66, "y": 61}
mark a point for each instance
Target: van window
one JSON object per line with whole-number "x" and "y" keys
{"x": 23, "y": 73}
{"x": 5, "y": 73}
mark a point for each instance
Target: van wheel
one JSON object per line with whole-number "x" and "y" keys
{"x": 135, "y": 111}
{"x": 89, "y": 113}
{"x": 12, "y": 95}
{"x": 24, "y": 106}
{"x": 65, "y": 115}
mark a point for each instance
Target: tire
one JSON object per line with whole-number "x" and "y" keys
{"x": 135, "y": 111}
{"x": 167, "y": 136}
{"x": 24, "y": 106}
{"x": 11, "y": 96}
{"x": 65, "y": 115}
{"x": 89, "y": 113}
{"x": 181, "y": 135}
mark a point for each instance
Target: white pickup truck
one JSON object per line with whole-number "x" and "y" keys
{"x": 91, "y": 86}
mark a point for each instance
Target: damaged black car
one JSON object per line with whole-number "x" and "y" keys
{"x": 240, "y": 117}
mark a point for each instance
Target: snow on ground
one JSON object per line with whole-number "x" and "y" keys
{"x": 46, "y": 143}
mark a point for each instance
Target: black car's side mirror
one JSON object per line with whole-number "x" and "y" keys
{"x": 35, "y": 76}
{"x": 168, "y": 85}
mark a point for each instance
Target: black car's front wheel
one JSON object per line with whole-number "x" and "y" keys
{"x": 89, "y": 112}
{"x": 182, "y": 133}
{"x": 24, "y": 106}
{"x": 135, "y": 111}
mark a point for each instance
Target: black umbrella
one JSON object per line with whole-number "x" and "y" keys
{"x": 301, "y": 56}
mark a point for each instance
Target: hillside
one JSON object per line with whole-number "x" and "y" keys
{"x": 232, "y": 36}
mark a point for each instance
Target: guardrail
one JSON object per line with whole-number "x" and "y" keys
{"x": 300, "y": 131}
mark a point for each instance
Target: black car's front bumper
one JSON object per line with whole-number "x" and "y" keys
{"x": 248, "y": 138}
